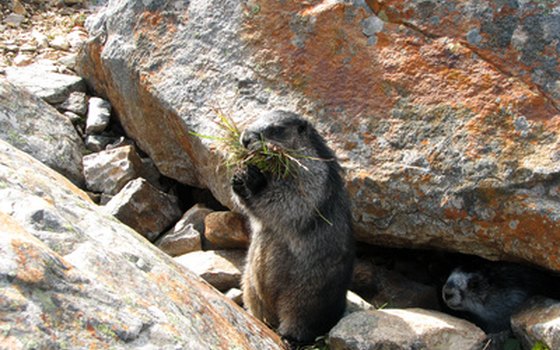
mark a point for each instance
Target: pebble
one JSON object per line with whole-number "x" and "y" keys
{"x": 60, "y": 43}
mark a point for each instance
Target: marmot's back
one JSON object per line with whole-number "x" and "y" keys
{"x": 301, "y": 254}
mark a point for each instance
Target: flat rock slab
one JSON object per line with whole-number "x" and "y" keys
{"x": 220, "y": 268}
{"x": 144, "y": 208}
{"x": 33, "y": 126}
{"x": 404, "y": 329}
{"x": 52, "y": 87}
{"x": 538, "y": 321}
{"x": 73, "y": 277}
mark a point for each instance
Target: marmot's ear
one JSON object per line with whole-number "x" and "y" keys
{"x": 302, "y": 127}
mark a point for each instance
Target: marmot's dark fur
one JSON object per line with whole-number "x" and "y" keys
{"x": 300, "y": 259}
{"x": 491, "y": 292}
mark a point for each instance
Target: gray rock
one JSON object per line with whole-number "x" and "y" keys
{"x": 404, "y": 329}
{"x": 73, "y": 277}
{"x": 14, "y": 19}
{"x": 74, "y": 118}
{"x": 35, "y": 127}
{"x": 98, "y": 143}
{"x": 59, "y": 43}
{"x": 355, "y": 303}
{"x": 235, "y": 295}
{"x": 538, "y": 321}
{"x": 220, "y": 268}
{"x": 41, "y": 81}
{"x": 98, "y": 116}
{"x": 76, "y": 103}
{"x": 109, "y": 171}
{"x": 183, "y": 238}
{"x": 144, "y": 208}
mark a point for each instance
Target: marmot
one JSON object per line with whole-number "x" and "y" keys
{"x": 300, "y": 259}
{"x": 491, "y": 292}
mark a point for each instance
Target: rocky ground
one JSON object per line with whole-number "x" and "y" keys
{"x": 40, "y": 39}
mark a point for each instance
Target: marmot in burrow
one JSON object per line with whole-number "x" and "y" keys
{"x": 491, "y": 292}
{"x": 300, "y": 259}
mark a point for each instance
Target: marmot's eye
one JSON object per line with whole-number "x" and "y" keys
{"x": 301, "y": 128}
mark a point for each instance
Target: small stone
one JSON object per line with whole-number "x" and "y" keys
{"x": 14, "y": 20}
{"x": 109, "y": 171}
{"x": 76, "y": 102}
{"x": 404, "y": 329}
{"x": 74, "y": 118}
{"x": 144, "y": 208}
{"x": 220, "y": 268}
{"x": 355, "y": 303}
{"x": 186, "y": 235}
{"x": 236, "y": 295}
{"x": 60, "y": 43}
{"x": 28, "y": 48}
{"x": 69, "y": 61}
{"x": 224, "y": 230}
{"x": 11, "y": 47}
{"x": 76, "y": 39}
{"x": 182, "y": 239}
{"x": 41, "y": 39}
{"x": 98, "y": 116}
{"x": 22, "y": 60}
{"x": 98, "y": 143}
{"x": 18, "y": 8}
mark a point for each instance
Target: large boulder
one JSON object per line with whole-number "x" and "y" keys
{"x": 442, "y": 146}
{"x": 72, "y": 277}
{"x": 33, "y": 126}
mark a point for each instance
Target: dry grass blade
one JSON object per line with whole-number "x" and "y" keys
{"x": 267, "y": 158}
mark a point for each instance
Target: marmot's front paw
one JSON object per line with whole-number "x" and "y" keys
{"x": 248, "y": 182}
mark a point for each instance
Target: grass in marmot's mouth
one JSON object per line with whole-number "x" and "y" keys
{"x": 267, "y": 157}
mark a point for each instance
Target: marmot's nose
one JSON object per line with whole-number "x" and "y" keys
{"x": 248, "y": 137}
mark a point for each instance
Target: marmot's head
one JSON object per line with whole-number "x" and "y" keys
{"x": 465, "y": 290}
{"x": 288, "y": 131}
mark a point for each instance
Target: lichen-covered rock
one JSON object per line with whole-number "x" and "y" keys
{"x": 225, "y": 230}
{"x": 220, "y": 268}
{"x": 33, "y": 126}
{"x": 50, "y": 86}
{"x": 404, "y": 329}
{"x": 519, "y": 37}
{"x": 73, "y": 277}
{"x": 110, "y": 170}
{"x": 538, "y": 321}
{"x": 442, "y": 147}
{"x": 144, "y": 208}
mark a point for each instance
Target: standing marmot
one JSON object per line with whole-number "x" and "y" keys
{"x": 300, "y": 259}
{"x": 491, "y": 292}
